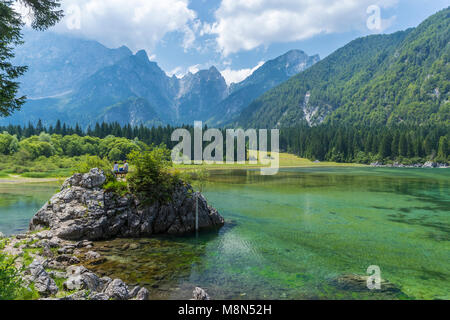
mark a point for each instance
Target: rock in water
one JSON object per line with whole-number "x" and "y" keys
{"x": 85, "y": 211}
{"x": 430, "y": 164}
{"x": 200, "y": 294}
{"x": 358, "y": 283}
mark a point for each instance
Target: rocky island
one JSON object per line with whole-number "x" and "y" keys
{"x": 51, "y": 255}
{"x": 85, "y": 211}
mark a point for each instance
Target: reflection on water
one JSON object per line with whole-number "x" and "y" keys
{"x": 288, "y": 236}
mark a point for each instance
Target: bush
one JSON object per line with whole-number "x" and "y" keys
{"x": 118, "y": 187}
{"x": 152, "y": 181}
{"x": 87, "y": 163}
{"x": 10, "y": 280}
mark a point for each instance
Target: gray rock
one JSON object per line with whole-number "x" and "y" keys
{"x": 84, "y": 244}
{"x": 429, "y": 164}
{"x": 94, "y": 179}
{"x": 43, "y": 283}
{"x": 36, "y": 269}
{"x": 92, "y": 255}
{"x": 68, "y": 249}
{"x": 200, "y": 294}
{"x": 117, "y": 290}
{"x": 75, "y": 270}
{"x": 46, "y": 234}
{"x": 98, "y": 296}
{"x": 83, "y": 211}
{"x": 84, "y": 281}
{"x": 46, "y": 252}
{"x": 132, "y": 294}
{"x": 57, "y": 274}
{"x": 80, "y": 278}
{"x": 2, "y": 235}
{"x": 104, "y": 282}
{"x": 358, "y": 283}
{"x": 53, "y": 264}
{"x": 79, "y": 295}
{"x": 143, "y": 294}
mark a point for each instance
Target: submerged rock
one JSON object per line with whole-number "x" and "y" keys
{"x": 85, "y": 211}
{"x": 358, "y": 283}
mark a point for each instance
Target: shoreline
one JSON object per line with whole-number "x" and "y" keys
{"x": 17, "y": 179}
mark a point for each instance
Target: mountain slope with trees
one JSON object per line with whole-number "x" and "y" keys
{"x": 375, "y": 80}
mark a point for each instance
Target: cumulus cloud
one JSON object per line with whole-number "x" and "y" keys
{"x": 236, "y": 76}
{"x": 247, "y": 24}
{"x": 139, "y": 24}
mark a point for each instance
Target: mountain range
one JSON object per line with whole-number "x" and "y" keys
{"x": 81, "y": 81}
{"x": 385, "y": 79}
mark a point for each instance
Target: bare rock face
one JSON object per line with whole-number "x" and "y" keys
{"x": 82, "y": 210}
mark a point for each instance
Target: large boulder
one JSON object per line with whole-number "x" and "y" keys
{"x": 82, "y": 210}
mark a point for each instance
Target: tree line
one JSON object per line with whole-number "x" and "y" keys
{"x": 360, "y": 144}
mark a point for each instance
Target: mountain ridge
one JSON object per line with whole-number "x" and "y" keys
{"x": 373, "y": 80}
{"x": 124, "y": 80}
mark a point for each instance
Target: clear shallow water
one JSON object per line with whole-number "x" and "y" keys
{"x": 288, "y": 236}
{"x": 19, "y": 202}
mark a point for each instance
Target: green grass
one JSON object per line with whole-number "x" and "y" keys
{"x": 49, "y": 174}
{"x": 64, "y": 167}
{"x": 286, "y": 160}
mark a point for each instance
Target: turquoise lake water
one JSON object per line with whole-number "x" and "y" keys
{"x": 288, "y": 236}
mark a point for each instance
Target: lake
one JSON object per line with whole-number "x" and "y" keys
{"x": 289, "y": 236}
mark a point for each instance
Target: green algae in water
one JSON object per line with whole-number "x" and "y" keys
{"x": 289, "y": 236}
{"x": 293, "y": 233}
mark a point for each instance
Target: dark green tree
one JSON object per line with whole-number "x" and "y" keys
{"x": 43, "y": 14}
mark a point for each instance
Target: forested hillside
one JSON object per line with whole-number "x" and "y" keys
{"x": 360, "y": 144}
{"x": 376, "y": 80}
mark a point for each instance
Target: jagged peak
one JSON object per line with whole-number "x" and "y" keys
{"x": 142, "y": 54}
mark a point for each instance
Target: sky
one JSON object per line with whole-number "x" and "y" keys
{"x": 236, "y": 36}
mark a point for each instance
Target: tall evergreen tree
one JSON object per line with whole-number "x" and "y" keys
{"x": 45, "y": 13}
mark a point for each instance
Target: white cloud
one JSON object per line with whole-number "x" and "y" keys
{"x": 138, "y": 24}
{"x": 194, "y": 69}
{"x": 177, "y": 72}
{"x": 236, "y": 76}
{"x": 247, "y": 24}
